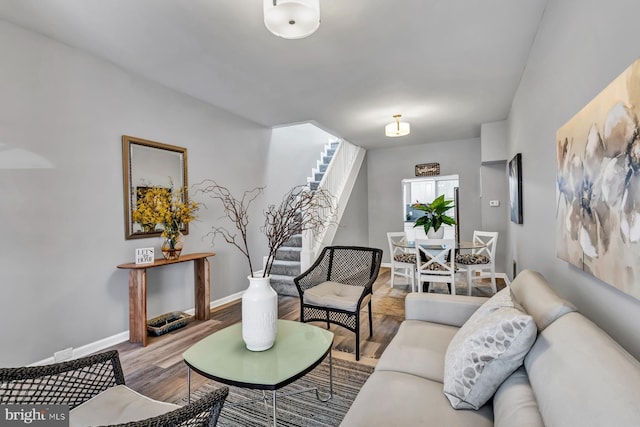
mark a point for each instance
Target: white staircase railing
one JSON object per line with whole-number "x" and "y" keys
{"x": 338, "y": 180}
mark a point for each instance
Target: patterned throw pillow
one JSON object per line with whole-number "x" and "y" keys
{"x": 472, "y": 259}
{"x": 410, "y": 258}
{"x": 488, "y": 348}
{"x": 436, "y": 267}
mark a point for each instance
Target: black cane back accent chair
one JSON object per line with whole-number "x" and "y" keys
{"x": 77, "y": 381}
{"x": 337, "y": 285}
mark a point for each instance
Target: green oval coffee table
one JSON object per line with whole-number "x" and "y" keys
{"x": 298, "y": 349}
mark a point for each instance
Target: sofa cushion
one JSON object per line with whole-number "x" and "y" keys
{"x": 334, "y": 295}
{"x": 418, "y": 348}
{"x": 581, "y": 377}
{"x": 531, "y": 290}
{"x": 514, "y": 403}
{"x": 484, "y": 352}
{"x": 391, "y": 398}
{"x": 447, "y": 309}
{"x": 117, "y": 405}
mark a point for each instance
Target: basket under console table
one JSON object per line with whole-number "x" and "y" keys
{"x": 138, "y": 291}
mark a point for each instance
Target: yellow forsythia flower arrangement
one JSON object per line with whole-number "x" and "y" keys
{"x": 161, "y": 205}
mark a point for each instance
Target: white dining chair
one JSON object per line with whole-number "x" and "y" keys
{"x": 403, "y": 258}
{"x": 435, "y": 262}
{"x": 481, "y": 259}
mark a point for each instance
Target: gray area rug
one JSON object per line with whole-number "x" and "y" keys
{"x": 301, "y": 409}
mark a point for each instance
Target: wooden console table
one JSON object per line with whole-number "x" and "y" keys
{"x": 138, "y": 292}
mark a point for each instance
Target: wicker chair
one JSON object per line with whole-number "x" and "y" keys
{"x": 74, "y": 382}
{"x": 336, "y": 286}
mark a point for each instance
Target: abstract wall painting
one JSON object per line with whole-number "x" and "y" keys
{"x": 515, "y": 188}
{"x": 598, "y": 185}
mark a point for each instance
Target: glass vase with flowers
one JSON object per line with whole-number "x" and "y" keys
{"x": 170, "y": 209}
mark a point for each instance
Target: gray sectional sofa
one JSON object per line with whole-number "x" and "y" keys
{"x": 573, "y": 375}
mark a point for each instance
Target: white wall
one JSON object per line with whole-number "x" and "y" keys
{"x": 63, "y": 227}
{"x": 353, "y": 229}
{"x": 579, "y": 49}
{"x": 293, "y": 152}
{"x": 494, "y": 137}
{"x": 496, "y": 218}
{"x": 388, "y": 166}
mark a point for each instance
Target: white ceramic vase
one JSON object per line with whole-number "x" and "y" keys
{"x": 435, "y": 234}
{"x": 259, "y": 314}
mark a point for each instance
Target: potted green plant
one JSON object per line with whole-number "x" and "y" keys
{"x": 434, "y": 214}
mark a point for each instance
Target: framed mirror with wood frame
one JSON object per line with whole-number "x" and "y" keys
{"x": 147, "y": 164}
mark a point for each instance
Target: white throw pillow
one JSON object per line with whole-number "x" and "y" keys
{"x": 488, "y": 348}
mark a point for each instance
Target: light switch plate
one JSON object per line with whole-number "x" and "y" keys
{"x": 494, "y": 203}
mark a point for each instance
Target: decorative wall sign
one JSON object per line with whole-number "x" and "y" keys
{"x": 144, "y": 256}
{"x": 598, "y": 185}
{"x": 515, "y": 188}
{"x": 428, "y": 169}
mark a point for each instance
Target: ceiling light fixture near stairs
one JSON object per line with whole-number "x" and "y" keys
{"x": 397, "y": 128}
{"x": 292, "y": 19}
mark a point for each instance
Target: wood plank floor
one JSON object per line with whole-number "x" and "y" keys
{"x": 159, "y": 372}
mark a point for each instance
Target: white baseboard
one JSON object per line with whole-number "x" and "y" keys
{"x": 107, "y": 342}
{"x": 218, "y": 302}
{"x": 504, "y": 277}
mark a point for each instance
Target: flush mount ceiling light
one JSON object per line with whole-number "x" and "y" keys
{"x": 397, "y": 128}
{"x": 292, "y": 19}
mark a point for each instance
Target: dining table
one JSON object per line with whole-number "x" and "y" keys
{"x": 461, "y": 245}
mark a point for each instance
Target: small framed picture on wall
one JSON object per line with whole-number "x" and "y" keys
{"x": 428, "y": 169}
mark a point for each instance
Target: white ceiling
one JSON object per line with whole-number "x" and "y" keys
{"x": 446, "y": 65}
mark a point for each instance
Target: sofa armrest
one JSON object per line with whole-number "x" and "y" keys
{"x": 446, "y": 309}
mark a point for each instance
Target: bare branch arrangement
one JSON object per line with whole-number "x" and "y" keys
{"x": 300, "y": 210}
{"x": 236, "y": 210}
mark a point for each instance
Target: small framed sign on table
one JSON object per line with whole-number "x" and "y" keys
{"x": 144, "y": 255}
{"x": 428, "y": 169}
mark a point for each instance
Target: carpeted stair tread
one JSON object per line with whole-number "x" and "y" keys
{"x": 285, "y": 268}
{"x": 294, "y": 242}
{"x": 284, "y": 285}
{"x": 289, "y": 253}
